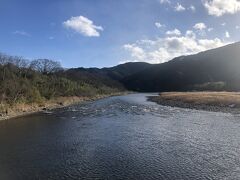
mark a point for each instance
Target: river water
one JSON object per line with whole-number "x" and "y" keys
{"x": 123, "y": 137}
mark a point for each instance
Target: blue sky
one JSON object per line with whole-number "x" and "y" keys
{"x": 98, "y": 33}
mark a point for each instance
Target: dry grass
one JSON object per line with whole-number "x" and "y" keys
{"x": 206, "y": 98}
{"x": 24, "y": 109}
{"x": 20, "y": 109}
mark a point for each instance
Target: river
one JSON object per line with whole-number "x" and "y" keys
{"x": 124, "y": 137}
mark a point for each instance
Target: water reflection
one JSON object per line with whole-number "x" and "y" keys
{"x": 121, "y": 138}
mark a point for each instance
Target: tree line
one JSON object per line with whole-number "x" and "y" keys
{"x": 25, "y": 81}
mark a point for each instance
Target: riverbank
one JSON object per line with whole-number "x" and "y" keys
{"x": 228, "y": 102}
{"x": 60, "y": 102}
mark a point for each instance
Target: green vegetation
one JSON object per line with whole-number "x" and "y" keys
{"x": 27, "y": 82}
{"x": 213, "y": 86}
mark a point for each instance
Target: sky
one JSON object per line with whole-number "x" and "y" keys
{"x": 104, "y": 33}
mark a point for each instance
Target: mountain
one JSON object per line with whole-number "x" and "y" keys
{"x": 124, "y": 70}
{"x": 216, "y": 69}
{"x": 110, "y": 77}
{"x": 43, "y": 79}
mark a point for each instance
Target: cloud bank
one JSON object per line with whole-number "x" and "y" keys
{"x": 164, "y": 49}
{"x": 221, "y": 7}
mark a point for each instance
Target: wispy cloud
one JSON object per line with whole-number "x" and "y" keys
{"x": 192, "y": 8}
{"x": 200, "y": 26}
{"x": 210, "y": 29}
{"x": 174, "y": 32}
{"x": 22, "y": 33}
{"x": 227, "y": 35}
{"x": 165, "y": 1}
{"x": 179, "y": 8}
{"x": 159, "y": 25}
{"x": 84, "y": 26}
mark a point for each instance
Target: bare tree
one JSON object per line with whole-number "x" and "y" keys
{"x": 3, "y": 59}
{"x": 15, "y": 60}
{"x": 19, "y": 62}
{"x": 45, "y": 66}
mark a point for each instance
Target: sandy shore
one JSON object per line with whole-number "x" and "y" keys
{"x": 25, "y": 109}
{"x": 228, "y": 102}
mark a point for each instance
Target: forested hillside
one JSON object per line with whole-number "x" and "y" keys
{"x": 110, "y": 77}
{"x": 216, "y": 69}
{"x": 24, "y": 81}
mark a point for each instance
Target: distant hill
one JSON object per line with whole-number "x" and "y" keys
{"x": 124, "y": 70}
{"x": 110, "y": 77}
{"x": 216, "y": 69}
{"x": 35, "y": 81}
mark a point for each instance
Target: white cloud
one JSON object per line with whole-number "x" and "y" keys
{"x": 164, "y": 49}
{"x": 22, "y": 33}
{"x": 221, "y": 7}
{"x": 210, "y": 29}
{"x": 179, "y": 8}
{"x": 200, "y": 26}
{"x": 237, "y": 27}
{"x": 136, "y": 52}
{"x": 174, "y": 32}
{"x": 165, "y": 1}
{"x": 207, "y": 44}
{"x": 227, "y": 35}
{"x": 83, "y": 25}
{"x": 159, "y": 25}
{"x": 190, "y": 34}
{"x": 192, "y": 8}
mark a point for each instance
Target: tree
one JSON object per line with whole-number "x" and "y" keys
{"x": 45, "y": 66}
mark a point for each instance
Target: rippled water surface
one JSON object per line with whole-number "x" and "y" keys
{"x": 122, "y": 137}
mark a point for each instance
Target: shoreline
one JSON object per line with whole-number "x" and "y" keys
{"x": 22, "y": 110}
{"x": 225, "y": 102}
